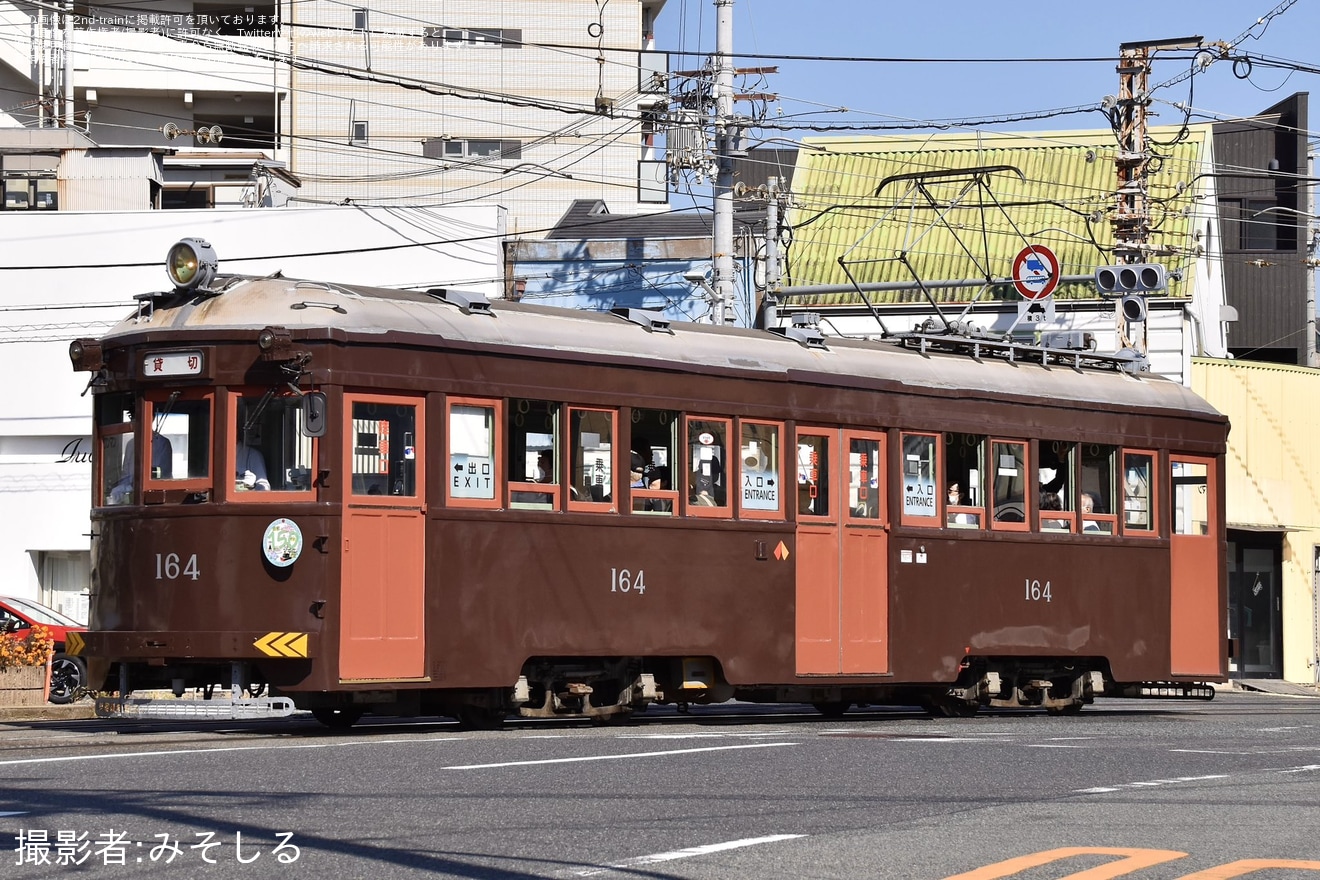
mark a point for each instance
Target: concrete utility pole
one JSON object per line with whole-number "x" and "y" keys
{"x": 1131, "y": 220}
{"x": 1312, "y": 233}
{"x": 725, "y": 135}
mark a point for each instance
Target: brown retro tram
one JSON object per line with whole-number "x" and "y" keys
{"x": 352, "y": 500}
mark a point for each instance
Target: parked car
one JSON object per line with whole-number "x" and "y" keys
{"x": 67, "y": 673}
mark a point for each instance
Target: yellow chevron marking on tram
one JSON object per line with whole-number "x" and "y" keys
{"x": 282, "y": 644}
{"x": 73, "y": 644}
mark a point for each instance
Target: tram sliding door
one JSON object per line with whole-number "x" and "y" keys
{"x": 1196, "y": 608}
{"x": 842, "y": 554}
{"x": 381, "y": 627}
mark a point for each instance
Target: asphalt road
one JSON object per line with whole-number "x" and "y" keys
{"x": 1126, "y": 789}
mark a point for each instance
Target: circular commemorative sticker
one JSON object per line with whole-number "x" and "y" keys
{"x": 282, "y": 543}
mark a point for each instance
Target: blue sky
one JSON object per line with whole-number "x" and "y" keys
{"x": 1025, "y": 29}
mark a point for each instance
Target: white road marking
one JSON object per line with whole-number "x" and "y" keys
{"x": 1052, "y": 746}
{"x": 23, "y": 813}
{"x": 612, "y": 757}
{"x": 687, "y": 853}
{"x": 167, "y": 752}
{"x": 748, "y": 735}
{"x": 1150, "y": 784}
{"x": 1307, "y": 769}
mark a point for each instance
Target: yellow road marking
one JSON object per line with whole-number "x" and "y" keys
{"x": 1133, "y": 860}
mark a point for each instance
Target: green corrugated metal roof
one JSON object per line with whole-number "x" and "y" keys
{"x": 1064, "y": 201}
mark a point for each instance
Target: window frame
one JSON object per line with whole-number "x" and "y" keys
{"x": 934, "y": 520}
{"x": 270, "y": 496}
{"x": 645, "y": 493}
{"x": 850, "y": 517}
{"x": 557, "y": 490}
{"x": 497, "y": 501}
{"x": 948, "y": 511}
{"x": 1029, "y": 473}
{"x": 1069, "y": 516}
{"x": 823, "y": 473}
{"x": 1152, "y": 502}
{"x": 724, "y": 511}
{"x": 754, "y": 513}
{"x": 150, "y": 398}
{"x": 418, "y": 405}
{"x": 578, "y": 505}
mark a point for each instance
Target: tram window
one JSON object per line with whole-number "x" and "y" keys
{"x": 1056, "y": 475}
{"x": 271, "y": 452}
{"x": 384, "y": 453}
{"x": 920, "y": 468}
{"x": 652, "y": 447}
{"x": 707, "y": 442}
{"x": 759, "y": 475}
{"x": 591, "y": 447}
{"x": 1009, "y": 503}
{"x": 813, "y": 468}
{"x": 533, "y": 458}
{"x": 1095, "y": 498}
{"x": 473, "y": 474}
{"x": 114, "y": 427}
{"x": 864, "y": 463}
{"x": 1138, "y": 493}
{"x": 964, "y": 469}
{"x": 1191, "y": 499}
{"x": 185, "y": 425}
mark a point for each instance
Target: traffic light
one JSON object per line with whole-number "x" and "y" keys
{"x": 1130, "y": 278}
{"x": 1133, "y": 307}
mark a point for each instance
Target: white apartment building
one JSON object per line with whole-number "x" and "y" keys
{"x": 530, "y": 104}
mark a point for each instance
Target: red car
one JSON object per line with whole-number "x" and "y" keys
{"x": 67, "y": 674}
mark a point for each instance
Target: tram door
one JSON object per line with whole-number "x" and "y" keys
{"x": 381, "y": 628}
{"x": 842, "y": 553}
{"x": 1196, "y": 609}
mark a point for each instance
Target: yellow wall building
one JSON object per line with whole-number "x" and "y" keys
{"x": 1273, "y": 476}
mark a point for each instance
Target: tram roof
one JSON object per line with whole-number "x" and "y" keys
{"x": 304, "y": 307}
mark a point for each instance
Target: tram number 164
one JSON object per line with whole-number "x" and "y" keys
{"x": 1037, "y": 592}
{"x": 624, "y": 581}
{"x": 171, "y": 567}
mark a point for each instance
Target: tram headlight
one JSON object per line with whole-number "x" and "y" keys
{"x": 86, "y": 355}
{"x": 275, "y": 343}
{"x": 191, "y": 264}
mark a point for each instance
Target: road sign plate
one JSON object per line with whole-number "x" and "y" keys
{"x": 1035, "y": 271}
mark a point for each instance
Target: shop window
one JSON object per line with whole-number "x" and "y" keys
{"x": 652, "y": 454}
{"x": 707, "y": 444}
{"x": 473, "y": 475}
{"x": 920, "y": 464}
{"x": 964, "y": 481}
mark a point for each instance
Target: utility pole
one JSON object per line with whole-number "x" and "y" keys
{"x": 726, "y": 132}
{"x": 1312, "y": 233}
{"x": 1131, "y": 220}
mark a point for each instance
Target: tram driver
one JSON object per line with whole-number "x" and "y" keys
{"x": 250, "y": 469}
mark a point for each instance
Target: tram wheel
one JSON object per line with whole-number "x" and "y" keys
{"x": 480, "y": 718}
{"x": 1070, "y": 709}
{"x": 337, "y": 719}
{"x": 832, "y": 708}
{"x": 945, "y": 706}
